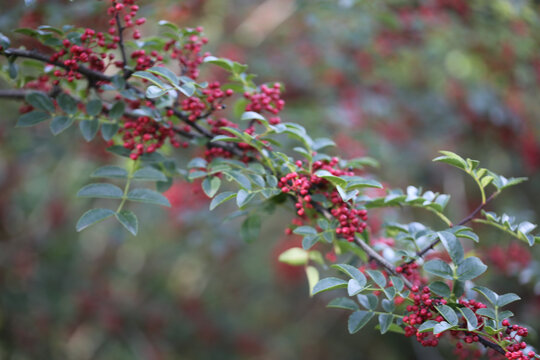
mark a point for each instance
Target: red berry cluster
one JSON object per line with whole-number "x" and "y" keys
{"x": 351, "y": 220}
{"x": 189, "y": 52}
{"x": 267, "y": 99}
{"x": 216, "y": 152}
{"x": 73, "y": 55}
{"x": 143, "y": 60}
{"x": 144, "y": 135}
{"x": 407, "y": 269}
{"x": 514, "y": 333}
{"x": 212, "y": 99}
{"x": 422, "y": 310}
{"x": 509, "y": 259}
{"x": 126, "y": 11}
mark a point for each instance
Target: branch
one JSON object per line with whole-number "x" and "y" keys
{"x": 14, "y": 94}
{"x": 367, "y": 249}
{"x": 91, "y": 75}
{"x": 121, "y": 29}
{"x": 491, "y": 345}
{"x": 465, "y": 220}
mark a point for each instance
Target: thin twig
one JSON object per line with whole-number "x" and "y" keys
{"x": 91, "y": 75}
{"x": 121, "y": 29}
{"x": 465, "y": 220}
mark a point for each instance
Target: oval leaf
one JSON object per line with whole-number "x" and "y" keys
{"x": 93, "y": 216}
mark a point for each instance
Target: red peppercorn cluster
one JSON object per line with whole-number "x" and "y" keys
{"x": 216, "y": 152}
{"x": 212, "y": 99}
{"x": 92, "y": 50}
{"x": 509, "y": 259}
{"x": 422, "y": 310}
{"x": 514, "y": 334}
{"x": 267, "y": 99}
{"x": 144, "y": 135}
{"x": 73, "y": 55}
{"x": 407, "y": 269}
{"x": 351, "y": 220}
{"x": 126, "y": 10}
{"x": 188, "y": 52}
{"x": 143, "y": 60}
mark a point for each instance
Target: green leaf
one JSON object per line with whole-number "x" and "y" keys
{"x": 353, "y": 272}
{"x": 188, "y": 88}
{"x": 321, "y": 143}
{"x": 472, "y": 321}
{"x": 93, "y": 216}
{"x": 4, "y": 41}
{"x": 470, "y": 268}
{"x": 385, "y": 320}
{"x": 441, "y": 327}
{"x": 252, "y": 115}
{"x": 101, "y": 190}
{"x": 305, "y": 230}
{"x": 32, "y": 118}
{"x": 13, "y": 70}
{"x": 148, "y": 196}
{"x": 487, "y": 312}
{"x": 440, "y": 288}
{"x": 295, "y": 256}
{"x": 313, "y": 277}
{"x": 439, "y": 268}
{"x": 427, "y": 326}
{"x": 165, "y": 73}
{"x": 240, "y": 178}
{"x": 397, "y": 282}
{"x": 388, "y": 305}
{"x": 360, "y": 183}
{"x": 243, "y": 198}
{"x": 328, "y": 284}
{"x": 108, "y": 130}
{"x": 354, "y": 287}
{"x": 358, "y": 320}
{"x": 452, "y": 246}
{"x": 60, "y": 123}
{"x": 369, "y": 301}
{"x": 452, "y": 159}
{"x": 251, "y": 228}
{"x": 211, "y": 185}
{"x": 343, "y": 303}
{"x": 94, "y": 107}
{"x": 221, "y": 198}
{"x": 469, "y": 235}
{"x": 113, "y": 172}
{"x": 378, "y": 277}
{"x": 309, "y": 240}
{"x": 506, "y": 299}
{"x": 40, "y": 101}
{"x": 149, "y": 77}
{"x": 129, "y": 220}
{"x": 153, "y": 91}
{"x": 223, "y": 63}
{"x": 89, "y": 129}
{"x": 489, "y": 294}
{"x": 448, "y": 314}
{"x": 149, "y": 174}
{"x": 67, "y": 103}
{"x": 331, "y": 178}
{"x": 117, "y": 110}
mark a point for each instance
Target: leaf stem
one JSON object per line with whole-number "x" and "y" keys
{"x": 132, "y": 169}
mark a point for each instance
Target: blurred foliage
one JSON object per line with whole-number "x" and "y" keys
{"x": 395, "y": 79}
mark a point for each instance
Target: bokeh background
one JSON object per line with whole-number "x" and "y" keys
{"x": 397, "y": 80}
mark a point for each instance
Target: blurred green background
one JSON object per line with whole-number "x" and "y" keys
{"x": 395, "y": 79}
